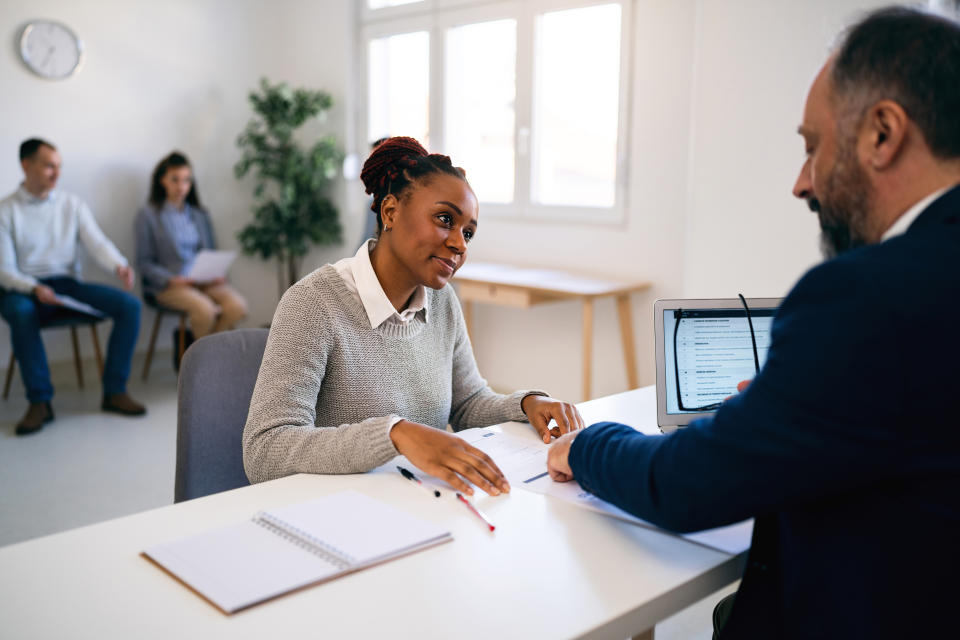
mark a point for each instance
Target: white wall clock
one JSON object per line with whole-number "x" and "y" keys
{"x": 50, "y": 49}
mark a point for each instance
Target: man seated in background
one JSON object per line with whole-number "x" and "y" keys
{"x": 39, "y": 231}
{"x": 845, "y": 448}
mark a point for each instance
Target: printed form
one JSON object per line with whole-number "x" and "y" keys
{"x": 524, "y": 462}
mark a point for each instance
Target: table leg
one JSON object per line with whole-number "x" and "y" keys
{"x": 626, "y": 335}
{"x": 587, "y": 346}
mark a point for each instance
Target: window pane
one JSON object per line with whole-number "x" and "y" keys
{"x": 576, "y": 106}
{"x": 399, "y": 87}
{"x": 480, "y": 85}
{"x": 380, "y": 4}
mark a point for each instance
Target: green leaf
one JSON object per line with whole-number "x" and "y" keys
{"x": 300, "y": 214}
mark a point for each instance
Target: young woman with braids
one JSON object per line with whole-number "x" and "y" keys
{"x": 369, "y": 357}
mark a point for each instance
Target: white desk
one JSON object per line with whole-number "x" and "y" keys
{"x": 551, "y": 570}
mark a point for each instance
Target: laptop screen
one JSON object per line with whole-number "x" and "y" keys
{"x": 707, "y": 352}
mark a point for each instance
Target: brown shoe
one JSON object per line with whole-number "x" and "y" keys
{"x": 37, "y": 414}
{"x": 123, "y": 404}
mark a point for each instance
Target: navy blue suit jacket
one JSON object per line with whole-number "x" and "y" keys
{"x": 845, "y": 448}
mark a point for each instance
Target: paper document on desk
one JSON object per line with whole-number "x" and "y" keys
{"x": 82, "y": 307}
{"x": 524, "y": 462}
{"x": 211, "y": 265}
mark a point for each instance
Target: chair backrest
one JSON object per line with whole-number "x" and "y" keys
{"x": 217, "y": 377}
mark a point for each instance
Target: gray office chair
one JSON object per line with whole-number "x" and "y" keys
{"x": 216, "y": 382}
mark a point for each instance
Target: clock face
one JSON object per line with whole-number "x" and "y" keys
{"x": 50, "y": 49}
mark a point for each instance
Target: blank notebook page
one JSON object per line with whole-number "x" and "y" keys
{"x": 241, "y": 564}
{"x": 364, "y": 529}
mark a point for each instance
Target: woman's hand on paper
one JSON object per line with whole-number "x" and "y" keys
{"x": 448, "y": 457}
{"x": 541, "y": 409}
{"x": 558, "y": 458}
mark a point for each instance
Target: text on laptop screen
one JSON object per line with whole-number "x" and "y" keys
{"x": 713, "y": 353}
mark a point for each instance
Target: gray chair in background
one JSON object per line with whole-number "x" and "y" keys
{"x": 161, "y": 310}
{"x": 217, "y": 377}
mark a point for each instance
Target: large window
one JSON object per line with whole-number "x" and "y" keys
{"x": 576, "y": 106}
{"x": 480, "y": 89}
{"x": 398, "y": 86}
{"x": 527, "y": 96}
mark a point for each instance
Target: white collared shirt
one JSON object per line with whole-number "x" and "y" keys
{"x": 903, "y": 223}
{"x": 361, "y": 280}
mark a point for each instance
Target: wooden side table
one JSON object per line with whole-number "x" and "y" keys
{"x": 524, "y": 287}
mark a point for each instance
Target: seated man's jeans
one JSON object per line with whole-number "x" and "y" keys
{"x": 25, "y": 314}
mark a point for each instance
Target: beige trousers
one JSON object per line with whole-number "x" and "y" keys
{"x": 210, "y": 308}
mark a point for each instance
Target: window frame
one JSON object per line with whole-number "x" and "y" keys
{"x": 436, "y": 17}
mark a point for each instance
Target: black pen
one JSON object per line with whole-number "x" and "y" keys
{"x": 409, "y": 476}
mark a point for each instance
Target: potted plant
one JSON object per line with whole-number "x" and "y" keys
{"x": 292, "y": 211}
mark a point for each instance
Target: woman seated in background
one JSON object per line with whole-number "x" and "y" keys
{"x": 369, "y": 357}
{"x": 171, "y": 229}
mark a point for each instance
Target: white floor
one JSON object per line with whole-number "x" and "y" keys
{"x": 87, "y": 466}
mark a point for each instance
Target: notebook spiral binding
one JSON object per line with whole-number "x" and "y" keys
{"x": 304, "y": 540}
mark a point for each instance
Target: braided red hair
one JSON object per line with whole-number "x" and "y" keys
{"x": 382, "y": 165}
{"x": 398, "y": 162}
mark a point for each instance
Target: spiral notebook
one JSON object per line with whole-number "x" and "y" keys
{"x": 292, "y": 547}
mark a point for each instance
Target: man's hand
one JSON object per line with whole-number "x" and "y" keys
{"x": 45, "y": 294}
{"x": 541, "y": 409}
{"x": 126, "y": 277}
{"x": 558, "y": 458}
{"x": 741, "y": 387}
{"x": 448, "y": 457}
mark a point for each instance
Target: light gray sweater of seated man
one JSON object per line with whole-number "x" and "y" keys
{"x": 330, "y": 385}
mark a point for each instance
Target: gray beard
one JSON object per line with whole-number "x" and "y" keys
{"x": 844, "y": 210}
{"x": 838, "y": 236}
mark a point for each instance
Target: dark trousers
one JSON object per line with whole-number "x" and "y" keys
{"x": 25, "y": 314}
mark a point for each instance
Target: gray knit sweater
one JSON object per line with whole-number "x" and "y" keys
{"x": 329, "y": 384}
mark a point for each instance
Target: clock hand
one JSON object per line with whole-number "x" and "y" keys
{"x": 47, "y": 57}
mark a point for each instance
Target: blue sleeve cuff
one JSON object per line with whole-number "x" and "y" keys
{"x": 586, "y": 452}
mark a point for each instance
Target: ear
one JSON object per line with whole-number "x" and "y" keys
{"x": 388, "y": 211}
{"x": 883, "y": 134}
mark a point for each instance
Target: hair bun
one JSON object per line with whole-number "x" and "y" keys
{"x": 383, "y": 163}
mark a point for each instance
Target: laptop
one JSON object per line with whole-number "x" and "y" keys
{"x": 703, "y": 349}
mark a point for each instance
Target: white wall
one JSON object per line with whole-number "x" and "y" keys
{"x": 755, "y": 60}
{"x": 160, "y": 76}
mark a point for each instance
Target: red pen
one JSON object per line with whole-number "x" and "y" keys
{"x": 475, "y": 511}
